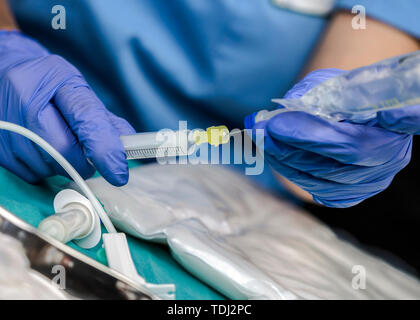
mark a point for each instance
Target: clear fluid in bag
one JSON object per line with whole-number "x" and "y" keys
{"x": 358, "y": 94}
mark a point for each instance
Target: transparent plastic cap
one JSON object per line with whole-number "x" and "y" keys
{"x": 73, "y": 222}
{"x": 74, "y": 219}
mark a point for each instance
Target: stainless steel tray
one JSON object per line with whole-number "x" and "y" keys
{"x": 85, "y": 277}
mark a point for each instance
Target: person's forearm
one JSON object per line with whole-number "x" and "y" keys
{"x": 343, "y": 47}
{"x": 7, "y": 21}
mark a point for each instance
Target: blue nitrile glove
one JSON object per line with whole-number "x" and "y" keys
{"x": 46, "y": 94}
{"x": 339, "y": 163}
{"x": 404, "y": 120}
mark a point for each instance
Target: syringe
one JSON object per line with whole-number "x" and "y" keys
{"x": 359, "y": 94}
{"x": 164, "y": 143}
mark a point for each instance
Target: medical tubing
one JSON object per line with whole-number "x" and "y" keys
{"x": 66, "y": 166}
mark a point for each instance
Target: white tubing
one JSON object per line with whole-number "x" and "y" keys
{"x": 66, "y": 166}
{"x": 116, "y": 245}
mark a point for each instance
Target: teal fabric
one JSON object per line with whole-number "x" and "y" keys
{"x": 32, "y": 203}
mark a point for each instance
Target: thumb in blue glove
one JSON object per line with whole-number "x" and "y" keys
{"x": 339, "y": 163}
{"x": 403, "y": 120}
{"x": 49, "y": 96}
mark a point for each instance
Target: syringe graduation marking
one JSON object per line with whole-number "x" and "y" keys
{"x": 153, "y": 152}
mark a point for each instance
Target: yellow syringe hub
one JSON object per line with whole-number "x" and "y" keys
{"x": 213, "y": 135}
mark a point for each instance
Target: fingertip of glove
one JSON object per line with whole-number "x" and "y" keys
{"x": 398, "y": 121}
{"x": 387, "y": 118}
{"x": 117, "y": 173}
{"x": 118, "y": 179}
{"x": 111, "y": 162}
{"x": 337, "y": 204}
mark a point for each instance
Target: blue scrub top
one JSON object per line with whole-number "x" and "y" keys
{"x": 210, "y": 62}
{"x": 156, "y": 62}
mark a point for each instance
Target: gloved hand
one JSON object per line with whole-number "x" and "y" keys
{"x": 46, "y": 94}
{"x": 404, "y": 120}
{"x": 339, "y": 163}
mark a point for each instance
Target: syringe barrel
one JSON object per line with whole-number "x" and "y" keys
{"x": 162, "y": 143}
{"x": 140, "y": 140}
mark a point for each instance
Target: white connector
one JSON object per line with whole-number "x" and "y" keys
{"x": 85, "y": 233}
{"x": 74, "y": 219}
{"x": 119, "y": 259}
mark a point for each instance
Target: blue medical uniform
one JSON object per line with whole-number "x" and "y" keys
{"x": 155, "y": 62}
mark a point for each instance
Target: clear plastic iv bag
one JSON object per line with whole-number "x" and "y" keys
{"x": 358, "y": 94}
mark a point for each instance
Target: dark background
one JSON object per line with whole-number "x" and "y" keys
{"x": 388, "y": 224}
